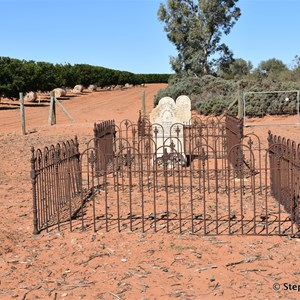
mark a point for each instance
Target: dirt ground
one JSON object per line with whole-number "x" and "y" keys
{"x": 87, "y": 265}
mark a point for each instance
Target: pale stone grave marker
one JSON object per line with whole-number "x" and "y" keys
{"x": 183, "y": 104}
{"x": 166, "y": 114}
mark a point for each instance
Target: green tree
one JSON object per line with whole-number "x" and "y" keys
{"x": 12, "y": 80}
{"x": 295, "y": 67}
{"x": 295, "y": 63}
{"x": 272, "y": 67}
{"x": 237, "y": 69}
{"x": 196, "y": 28}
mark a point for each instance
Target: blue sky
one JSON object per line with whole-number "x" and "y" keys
{"x": 126, "y": 34}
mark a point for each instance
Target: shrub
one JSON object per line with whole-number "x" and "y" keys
{"x": 212, "y": 95}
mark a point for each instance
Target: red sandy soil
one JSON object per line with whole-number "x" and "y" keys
{"x": 87, "y": 265}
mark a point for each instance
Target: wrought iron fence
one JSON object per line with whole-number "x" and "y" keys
{"x": 139, "y": 177}
{"x": 284, "y": 156}
{"x": 144, "y": 192}
{"x": 56, "y": 184}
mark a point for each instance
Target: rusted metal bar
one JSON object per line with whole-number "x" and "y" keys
{"x": 33, "y": 182}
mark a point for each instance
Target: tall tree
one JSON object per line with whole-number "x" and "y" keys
{"x": 196, "y": 28}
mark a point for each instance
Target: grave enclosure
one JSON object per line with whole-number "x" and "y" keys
{"x": 170, "y": 172}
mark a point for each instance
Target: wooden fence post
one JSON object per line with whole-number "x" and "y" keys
{"x": 298, "y": 107}
{"x": 52, "y": 111}
{"x": 240, "y": 104}
{"x": 143, "y": 104}
{"x": 22, "y": 114}
{"x": 64, "y": 110}
{"x": 228, "y": 108}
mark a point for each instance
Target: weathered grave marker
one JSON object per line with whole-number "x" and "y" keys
{"x": 183, "y": 104}
{"x": 168, "y": 119}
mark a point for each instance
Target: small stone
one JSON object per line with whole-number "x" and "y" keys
{"x": 151, "y": 216}
{"x": 212, "y": 278}
{"x": 93, "y": 237}
{"x": 123, "y": 260}
{"x": 102, "y": 245}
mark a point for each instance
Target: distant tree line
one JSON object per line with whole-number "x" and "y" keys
{"x": 273, "y": 69}
{"x": 24, "y": 76}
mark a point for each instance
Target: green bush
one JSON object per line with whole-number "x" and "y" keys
{"x": 212, "y": 95}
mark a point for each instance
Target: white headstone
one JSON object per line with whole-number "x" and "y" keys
{"x": 167, "y": 120}
{"x": 183, "y": 104}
